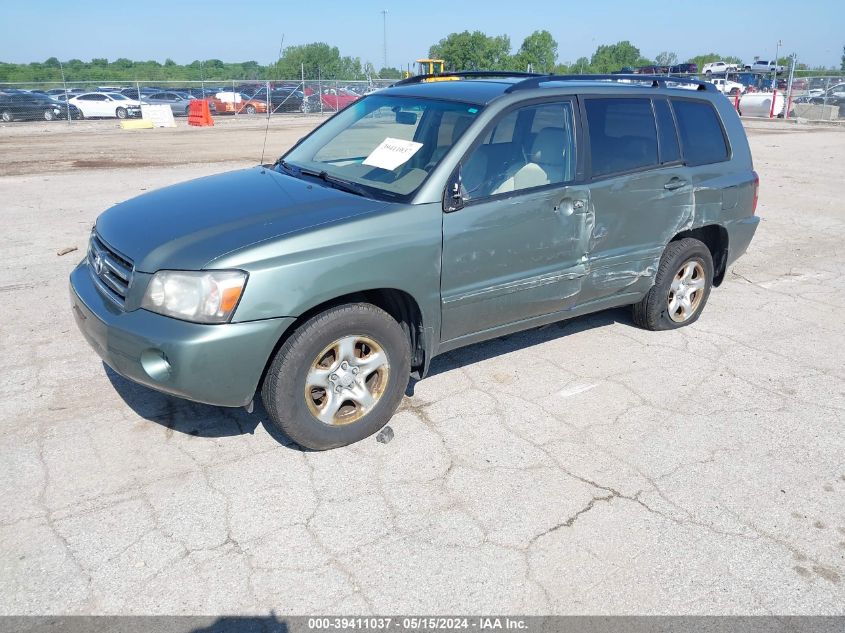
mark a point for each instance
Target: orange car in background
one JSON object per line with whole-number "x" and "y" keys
{"x": 236, "y": 102}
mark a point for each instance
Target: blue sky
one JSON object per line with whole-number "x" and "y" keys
{"x": 240, "y": 30}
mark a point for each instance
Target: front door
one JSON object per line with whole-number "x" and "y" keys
{"x": 517, "y": 249}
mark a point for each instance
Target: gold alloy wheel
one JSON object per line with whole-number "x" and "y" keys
{"x": 346, "y": 380}
{"x": 686, "y": 291}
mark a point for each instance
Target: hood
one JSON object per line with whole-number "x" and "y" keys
{"x": 185, "y": 226}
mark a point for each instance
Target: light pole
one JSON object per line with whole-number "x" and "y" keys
{"x": 775, "y": 73}
{"x": 384, "y": 26}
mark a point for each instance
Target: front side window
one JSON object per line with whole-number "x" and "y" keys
{"x": 386, "y": 144}
{"x": 623, "y": 136}
{"x": 526, "y": 148}
{"x": 702, "y": 137}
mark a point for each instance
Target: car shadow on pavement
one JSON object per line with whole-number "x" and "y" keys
{"x": 479, "y": 352}
{"x": 203, "y": 420}
{"x": 192, "y": 418}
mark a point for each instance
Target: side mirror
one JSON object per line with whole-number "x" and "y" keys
{"x": 453, "y": 199}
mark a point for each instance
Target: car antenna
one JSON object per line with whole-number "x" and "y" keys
{"x": 270, "y": 104}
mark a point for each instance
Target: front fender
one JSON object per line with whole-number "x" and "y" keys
{"x": 398, "y": 248}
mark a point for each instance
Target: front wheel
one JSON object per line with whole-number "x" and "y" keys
{"x": 250, "y": 109}
{"x": 121, "y": 113}
{"x": 681, "y": 287}
{"x": 49, "y": 115}
{"x": 339, "y": 377}
{"x": 6, "y": 116}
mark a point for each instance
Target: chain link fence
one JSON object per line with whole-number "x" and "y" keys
{"x": 85, "y": 101}
{"x": 818, "y": 98}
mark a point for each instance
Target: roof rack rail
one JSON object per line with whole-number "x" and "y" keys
{"x": 468, "y": 74}
{"x": 657, "y": 81}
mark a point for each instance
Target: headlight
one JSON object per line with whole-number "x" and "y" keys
{"x": 202, "y": 296}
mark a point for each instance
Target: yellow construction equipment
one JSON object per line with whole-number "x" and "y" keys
{"x": 431, "y": 67}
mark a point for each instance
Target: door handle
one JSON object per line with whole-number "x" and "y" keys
{"x": 675, "y": 183}
{"x": 568, "y": 206}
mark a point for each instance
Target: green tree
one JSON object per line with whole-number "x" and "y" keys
{"x": 317, "y": 59}
{"x": 842, "y": 65}
{"x": 473, "y": 51}
{"x": 581, "y": 66}
{"x": 539, "y": 51}
{"x": 666, "y": 58}
{"x": 390, "y": 73}
{"x": 612, "y": 57}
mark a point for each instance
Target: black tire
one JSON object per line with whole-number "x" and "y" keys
{"x": 7, "y": 117}
{"x": 652, "y": 313}
{"x": 49, "y": 115}
{"x": 121, "y": 113}
{"x": 250, "y": 109}
{"x": 284, "y": 389}
{"x": 305, "y": 108}
{"x": 187, "y": 110}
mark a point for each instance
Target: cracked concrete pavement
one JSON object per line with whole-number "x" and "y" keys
{"x": 587, "y": 467}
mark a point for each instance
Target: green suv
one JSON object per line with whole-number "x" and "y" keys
{"x": 421, "y": 218}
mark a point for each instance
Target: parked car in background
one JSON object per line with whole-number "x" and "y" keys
{"x": 26, "y": 106}
{"x": 762, "y": 65}
{"x": 288, "y": 100}
{"x": 106, "y": 105}
{"x": 133, "y": 93}
{"x": 687, "y": 68}
{"x": 728, "y": 87}
{"x": 720, "y": 67}
{"x": 228, "y": 102}
{"x": 179, "y": 102}
{"x": 337, "y": 98}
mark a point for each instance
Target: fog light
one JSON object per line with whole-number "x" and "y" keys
{"x": 156, "y": 365}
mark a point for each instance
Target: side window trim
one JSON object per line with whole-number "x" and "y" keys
{"x": 680, "y": 159}
{"x": 588, "y": 166}
{"x": 577, "y": 131}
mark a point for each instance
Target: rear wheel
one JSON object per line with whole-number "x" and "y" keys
{"x": 49, "y": 115}
{"x": 6, "y": 116}
{"x": 680, "y": 289}
{"x": 121, "y": 113}
{"x": 339, "y": 377}
{"x": 250, "y": 109}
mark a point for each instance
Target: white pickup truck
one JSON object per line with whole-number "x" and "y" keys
{"x": 725, "y": 86}
{"x": 762, "y": 65}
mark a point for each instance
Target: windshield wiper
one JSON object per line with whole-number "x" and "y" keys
{"x": 337, "y": 183}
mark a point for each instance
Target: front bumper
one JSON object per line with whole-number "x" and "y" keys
{"x": 214, "y": 364}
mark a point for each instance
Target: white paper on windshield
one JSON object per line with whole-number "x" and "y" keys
{"x": 391, "y": 153}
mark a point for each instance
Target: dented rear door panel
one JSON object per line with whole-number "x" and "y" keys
{"x": 635, "y": 216}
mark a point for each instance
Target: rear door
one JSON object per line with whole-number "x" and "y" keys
{"x": 516, "y": 249}
{"x": 641, "y": 192}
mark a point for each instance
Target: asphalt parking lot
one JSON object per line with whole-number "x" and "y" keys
{"x": 587, "y": 467}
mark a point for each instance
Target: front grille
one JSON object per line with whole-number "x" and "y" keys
{"x": 111, "y": 270}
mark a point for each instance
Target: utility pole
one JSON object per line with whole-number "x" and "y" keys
{"x": 384, "y": 26}
{"x": 775, "y": 74}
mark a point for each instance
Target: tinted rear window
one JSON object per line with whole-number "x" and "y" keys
{"x": 623, "y": 136}
{"x": 702, "y": 137}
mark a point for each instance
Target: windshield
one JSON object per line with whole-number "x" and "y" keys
{"x": 387, "y": 144}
